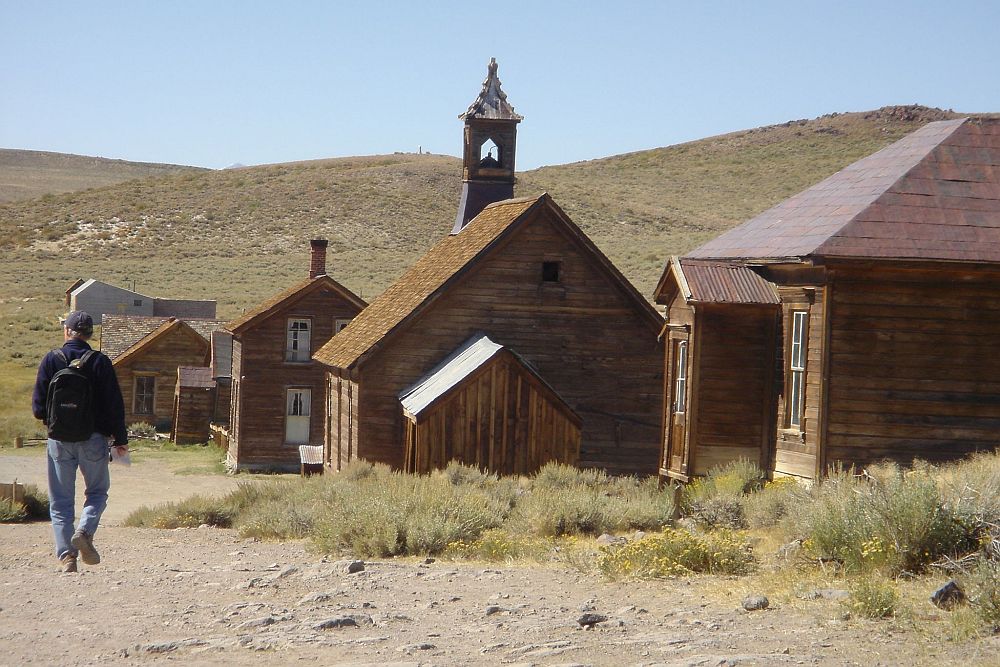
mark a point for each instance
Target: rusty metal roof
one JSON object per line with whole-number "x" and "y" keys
{"x": 720, "y": 282}
{"x": 492, "y": 102}
{"x": 195, "y": 377}
{"x": 933, "y": 195}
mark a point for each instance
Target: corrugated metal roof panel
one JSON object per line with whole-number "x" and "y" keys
{"x": 461, "y": 363}
{"x": 720, "y": 282}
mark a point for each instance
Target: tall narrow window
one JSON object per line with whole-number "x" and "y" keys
{"x": 142, "y": 399}
{"x": 680, "y": 382}
{"x": 297, "y": 346}
{"x": 297, "y": 411}
{"x": 797, "y": 368}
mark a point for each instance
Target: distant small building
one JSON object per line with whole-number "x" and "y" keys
{"x": 99, "y": 299}
{"x": 146, "y": 353}
{"x": 277, "y": 389}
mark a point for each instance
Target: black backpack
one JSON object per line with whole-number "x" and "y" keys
{"x": 69, "y": 404}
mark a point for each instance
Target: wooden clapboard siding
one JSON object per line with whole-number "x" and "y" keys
{"x": 262, "y": 378}
{"x": 178, "y": 346}
{"x": 582, "y": 335}
{"x": 191, "y": 409}
{"x": 500, "y": 418}
{"x": 913, "y": 373}
{"x": 342, "y": 421}
{"x": 797, "y": 450}
{"x": 734, "y": 385}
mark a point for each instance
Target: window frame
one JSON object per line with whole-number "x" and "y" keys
{"x": 136, "y": 394}
{"x": 798, "y": 358}
{"x": 681, "y": 365}
{"x": 293, "y": 340}
{"x": 339, "y": 323}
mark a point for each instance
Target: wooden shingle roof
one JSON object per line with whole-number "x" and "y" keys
{"x": 933, "y": 195}
{"x": 171, "y": 324}
{"x": 195, "y": 377}
{"x": 445, "y": 263}
{"x": 121, "y": 332}
{"x": 269, "y": 306}
{"x": 492, "y": 101}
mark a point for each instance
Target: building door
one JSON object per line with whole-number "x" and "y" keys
{"x": 297, "y": 416}
{"x": 676, "y": 459}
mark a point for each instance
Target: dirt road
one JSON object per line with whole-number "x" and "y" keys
{"x": 207, "y": 597}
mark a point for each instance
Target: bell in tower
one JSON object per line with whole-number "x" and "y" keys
{"x": 488, "y": 159}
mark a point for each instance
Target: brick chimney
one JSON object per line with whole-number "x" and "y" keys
{"x": 317, "y": 262}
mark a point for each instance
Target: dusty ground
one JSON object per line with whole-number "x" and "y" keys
{"x": 206, "y": 596}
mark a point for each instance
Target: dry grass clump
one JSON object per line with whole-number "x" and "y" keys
{"x": 769, "y": 505}
{"x": 887, "y": 520}
{"x": 716, "y": 500}
{"x": 678, "y": 552}
{"x": 563, "y": 500}
{"x": 873, "y": 596}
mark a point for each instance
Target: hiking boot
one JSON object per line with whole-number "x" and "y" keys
{"x": 84, "y": 543}
{"x": 68, "y": 563}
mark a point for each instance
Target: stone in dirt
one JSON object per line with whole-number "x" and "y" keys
{"x": 591, "y": 619}
{"x": 948, "y": 596}
{"x": 422, "y": 646}
{"x": 352, "y": 566}
{"x": 348, "y": 621}
{"x": 755, "y": 602}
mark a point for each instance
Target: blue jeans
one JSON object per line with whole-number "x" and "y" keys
{"x": 91, "y": 457}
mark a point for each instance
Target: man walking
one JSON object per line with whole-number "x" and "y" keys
{"x": 78, "y": 398}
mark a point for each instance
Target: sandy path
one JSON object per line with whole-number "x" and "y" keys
{"x": 148, "y": 481}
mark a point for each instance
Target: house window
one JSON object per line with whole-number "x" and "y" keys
{"x": 680, "y": 383}
{"x": 137, "y": 302}
{"x": 297, "y": 409}
{"x": 142, "y": 397}
{"x": 797, "y": 368}
{"x": 297, "y": 345}
{"x": 550, "y": 272}
{"x": 340, "y": 323}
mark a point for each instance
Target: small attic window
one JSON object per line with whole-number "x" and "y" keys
{"x": 550, "y": 272}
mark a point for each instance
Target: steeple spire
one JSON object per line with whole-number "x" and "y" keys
{"x": 490, "y": 142}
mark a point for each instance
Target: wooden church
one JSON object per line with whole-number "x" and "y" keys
{"x": 513, "y": 342}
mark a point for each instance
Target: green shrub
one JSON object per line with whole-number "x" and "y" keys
{"x": 36, "y": 503}
{"x": 677, "y": 552}
{"x": 716, "y": 500}
{"x": 565, "y": 501}
{"x": 769, "y": 505}
{"x": 887, "y": 521}
{"x": 873, "y": 597}
{"x": 11, "y": 512}
{"x": 141, "y": 430}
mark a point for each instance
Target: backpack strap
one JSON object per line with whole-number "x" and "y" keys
{"x": 82, "y": 361}
{"x": 61, "y": 355}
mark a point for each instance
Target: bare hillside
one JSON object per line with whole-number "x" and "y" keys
{"x": 30, "y": 174}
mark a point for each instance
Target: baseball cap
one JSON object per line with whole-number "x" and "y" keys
{"x": 79, "y": 321}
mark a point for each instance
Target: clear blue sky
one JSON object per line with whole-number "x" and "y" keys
{"x": 213, "y": 83}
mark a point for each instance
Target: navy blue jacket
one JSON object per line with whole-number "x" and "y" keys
{"x": 109, "y": 409}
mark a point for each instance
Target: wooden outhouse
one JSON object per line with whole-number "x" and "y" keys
{"x": 194, "y": 404}
{"x": 277, "y": 389}
{"x": 484, "y": 406}
{"x": 849, "y": 324}
{"x": 146, "y": 353}
{"x": 522, "y": 273}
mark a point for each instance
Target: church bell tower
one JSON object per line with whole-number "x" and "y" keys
{"x": 490, "y": 144}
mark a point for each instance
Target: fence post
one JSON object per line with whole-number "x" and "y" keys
{"x": 18, "y": 441}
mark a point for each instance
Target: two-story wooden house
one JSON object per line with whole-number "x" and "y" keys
{"x": 277, "y": 389}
